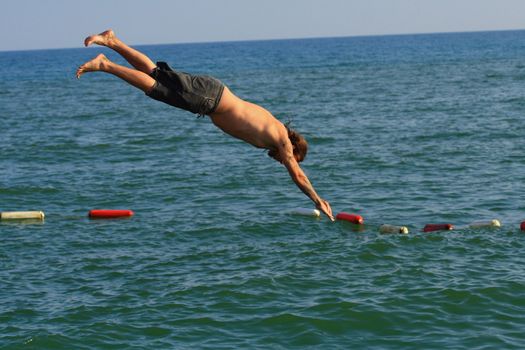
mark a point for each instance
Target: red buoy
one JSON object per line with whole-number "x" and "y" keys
{"x": 522, "y": 226}
{"x": 353, "y": 218}
{"x": 438, "y": 227}
{"x": 109, "y": 213}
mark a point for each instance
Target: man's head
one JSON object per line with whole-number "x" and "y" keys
{"x": 299, "y": 144}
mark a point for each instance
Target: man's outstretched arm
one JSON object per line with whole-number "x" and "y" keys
{"x": 301, "y": 180}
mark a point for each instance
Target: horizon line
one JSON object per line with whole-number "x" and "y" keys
{"x": 283, "y": 39}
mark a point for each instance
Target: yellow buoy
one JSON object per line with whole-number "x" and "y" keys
{"x": 22, "y": 215}
{"x": 393, "y": 229}
{"x": 480, "y": 224}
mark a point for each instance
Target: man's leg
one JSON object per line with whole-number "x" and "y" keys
{"x": 137, "y": 59}
{"x": 134, "y": 77}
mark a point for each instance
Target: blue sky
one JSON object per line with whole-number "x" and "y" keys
{"x": 36, "y": 24}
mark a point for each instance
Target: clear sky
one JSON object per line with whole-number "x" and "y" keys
{"x": 36, "y": 24}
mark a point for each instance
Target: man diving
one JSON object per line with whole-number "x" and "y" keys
{"x": 208, "y": 96}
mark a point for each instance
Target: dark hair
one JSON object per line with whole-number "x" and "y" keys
{"x": 299, "y": 144}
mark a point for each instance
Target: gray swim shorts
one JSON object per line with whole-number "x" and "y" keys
{"x": 198, "y": 94}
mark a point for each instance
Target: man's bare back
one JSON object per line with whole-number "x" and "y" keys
{"x": 248, "y": 122}
{"x": 236, "y": 117}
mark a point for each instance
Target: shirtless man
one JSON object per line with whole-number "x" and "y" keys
{"x": 208, "y": 96}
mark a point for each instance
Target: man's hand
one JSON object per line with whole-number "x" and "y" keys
{"x": 324, "y": 207}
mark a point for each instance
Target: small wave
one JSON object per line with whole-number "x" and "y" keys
{"x": 21, "y": 190}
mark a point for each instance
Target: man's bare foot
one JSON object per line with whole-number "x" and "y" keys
{"x": 96, "y": 64}
{"x": 104, "y": 38}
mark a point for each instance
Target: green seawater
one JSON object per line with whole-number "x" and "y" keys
{"x": 403, "y": 130}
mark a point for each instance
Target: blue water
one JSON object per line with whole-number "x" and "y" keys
{"x": 404, "y": 130}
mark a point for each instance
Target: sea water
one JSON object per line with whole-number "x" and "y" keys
{"x": 403, "y": 130}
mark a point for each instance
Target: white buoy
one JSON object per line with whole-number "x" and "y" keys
{"x": 306, "y": 212}
{"x": 481, "y": 224}
{"x": 393, "y": 229}
{"x": 22, "y": 215}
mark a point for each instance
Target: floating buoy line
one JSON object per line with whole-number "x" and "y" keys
{"x": 354, "y": 219}
{"x": 40, "y": 216}
{"x": 358, "y": 220}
